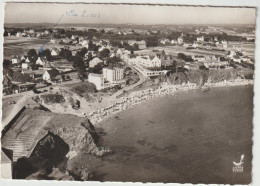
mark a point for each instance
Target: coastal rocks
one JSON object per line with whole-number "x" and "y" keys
{"x": 49, "y": 151}
{"x": 81, "y": 174}
{"x": 80, "y": 137}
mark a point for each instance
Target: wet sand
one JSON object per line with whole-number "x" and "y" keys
{"x": 190, "y": 137}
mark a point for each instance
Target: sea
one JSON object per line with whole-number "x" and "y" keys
{"x": 190, "y": 137}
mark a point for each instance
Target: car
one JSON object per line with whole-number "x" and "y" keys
{"x": 12, "y": 102}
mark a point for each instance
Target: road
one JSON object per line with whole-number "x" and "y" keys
{"x": 127, "y": 88}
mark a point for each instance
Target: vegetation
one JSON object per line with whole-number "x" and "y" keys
{"x": 53, "y": 98}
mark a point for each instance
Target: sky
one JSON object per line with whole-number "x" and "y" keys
{"x": 125, "y": 14}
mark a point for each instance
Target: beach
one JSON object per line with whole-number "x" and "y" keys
{"x": 191, "y": 136}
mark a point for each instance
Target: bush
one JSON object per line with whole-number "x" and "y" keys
{"x": 53, "y": 98}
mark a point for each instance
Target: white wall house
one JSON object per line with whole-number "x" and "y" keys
{"x": 146, "y": 61}
{"x": 54, "y": 52}
{"x": 15, "y": 60}
{"x": 25, "y": 66}
{"x": 200, "y": 38}
{"x": 113, "y": 74}
{"x": 94, "y": 62}
{"x": 40, "y": 61}
{"x": 198, "y": 58}
{"x": 96, "y": 79}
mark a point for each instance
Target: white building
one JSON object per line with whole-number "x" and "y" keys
{"x": 84, "y": 43}
{"x": 195, "y": 45}
{"x": 49, "y": 75}
{"x": 200, "y": 38}
{"x": 94, "y": 62}
{"x": 96, "y": 79}
{"x": 113, "y": 75}
{"x": 25, "y": 65}
{"x": 146, "y": 61}
{"x": 15, "y": 60}
{"x": 40, "y": 61}
{"x": 54, "y": 52}
{"x": 180, "y": 41}
{"x": 198, "y": 58}
{"x": 18, "y": 34}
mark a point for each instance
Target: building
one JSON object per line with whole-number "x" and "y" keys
{"x": 96, "y": 79}
{"x": 198, "y": 58}
{"x": 54, "y": 52}
{"x": 237, "y": 59}
{"x": 94, "y": 62}
{"x": 180, "y": 40}
{"x": 15, "y": 60}
{"x": 40, "y": 61}
{"x": 25, "y": 65}
{"x": 146, "y": 61}
{"x": 6, "y": 164}
{"x": 113, "y": 75}
{"x": 141, "y": 44}
{"x": 49, "y": 75}
{"x": 200, "y": 38}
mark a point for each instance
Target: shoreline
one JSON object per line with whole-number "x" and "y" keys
{"x": 141, "y": 96}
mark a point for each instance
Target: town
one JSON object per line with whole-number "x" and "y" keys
{"x": 96, "y": 71}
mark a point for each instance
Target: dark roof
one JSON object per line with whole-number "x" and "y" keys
{"x": 53, "y": 72}
{"x": 6, "y": 155}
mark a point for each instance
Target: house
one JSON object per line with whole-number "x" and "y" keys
{"x": 52, "y": 41}
{"x": 27, "y": 60}
{"x": 18, "y": 34}
{"x": 195, "y": 45}
{"x": 94, "y": 62}
{"x": 40, "y": 61}
{"x": 84, "y": 43}
{"x": 200, "y": 38}
{"x": 231, "y": 54}
{"x": 6, "y": 163}
{"x": 25, "y": 65}
{"x": 146, "y": 61}
{"x": 54, "y": 52}
{"x": 49, "y": 75}
{"x": 113, "y": 75}
{"x": 237, "y": 59}
{"x": 96, "y": 79}
{"x": 31, "y": 31}
{"x": 198, "y": 58}
{"x": 15, "y": 60}
{"x": 46, "y": 32}
{"x": 22, "y": 58}
{"x": 141, "y": 44}
{"x": 119, "y": 52}
{"x": 173, "y": 42}
{"x": 180, "y": 40}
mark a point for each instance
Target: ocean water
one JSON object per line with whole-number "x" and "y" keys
{"x": 190, "y": 137}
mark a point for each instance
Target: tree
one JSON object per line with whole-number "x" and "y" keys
{"x": 113, "y": 61}
{"x": 82, "y": 52}
{"x": 65, "y": 53}
{"x": 31, "y": 53}
{"x": 46, "y": 53}
{"x": 185, "y": 57}
{"x": 79, "y": 65}
{"x": 7, "y": 68}
{"x": 97, "y": 69}
{"x": 104, "y": 53}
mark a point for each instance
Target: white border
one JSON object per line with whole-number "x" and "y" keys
{"x": 256, "y": 145}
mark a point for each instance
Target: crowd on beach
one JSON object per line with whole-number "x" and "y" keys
{"x": 138, "y": 97}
